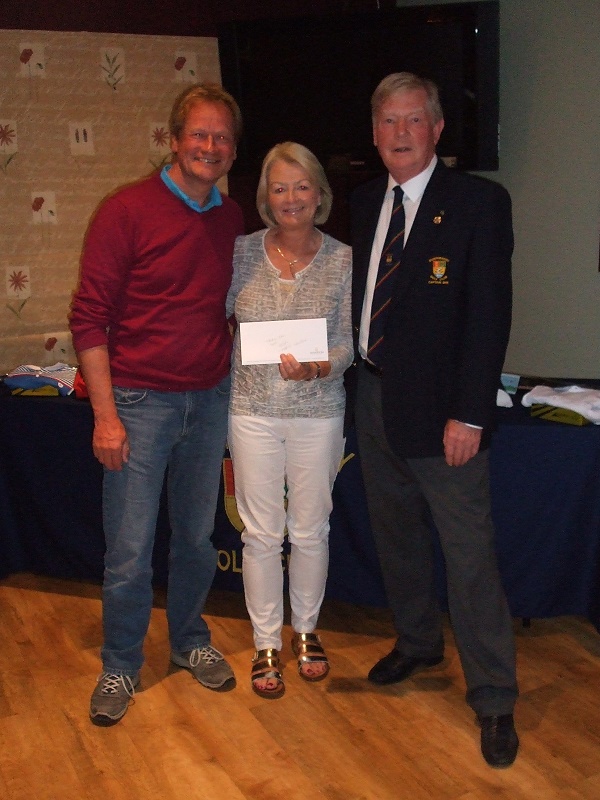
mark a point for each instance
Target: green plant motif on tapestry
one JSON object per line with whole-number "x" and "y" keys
{"x": 112, "y": 67}
{"x": 17, "y": 311}
{"x": 159, "y": 163}
{"x": 7, "y": 161}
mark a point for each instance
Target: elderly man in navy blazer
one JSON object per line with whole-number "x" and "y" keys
{"x": 431, "y": 350}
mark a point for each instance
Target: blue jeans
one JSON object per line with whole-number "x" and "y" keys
{"x": 184, "y": 435}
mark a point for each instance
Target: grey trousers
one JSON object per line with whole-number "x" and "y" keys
{"x": 400, "y": 496}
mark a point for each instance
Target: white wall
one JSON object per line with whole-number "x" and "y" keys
{"x": 550, "y": 163}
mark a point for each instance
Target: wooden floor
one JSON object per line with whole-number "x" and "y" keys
{"x": 341, "y": 739}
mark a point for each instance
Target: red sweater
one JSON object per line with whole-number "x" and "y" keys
{"x": 154, "y": 278}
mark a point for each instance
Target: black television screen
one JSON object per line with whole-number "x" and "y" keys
{"x": 310, "y": 80}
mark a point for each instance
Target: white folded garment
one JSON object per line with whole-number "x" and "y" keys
{"x": 503, "y": 399}
{"x": 575, "y": 398}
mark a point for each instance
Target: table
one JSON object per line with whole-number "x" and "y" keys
{"x": 545, "y": 505}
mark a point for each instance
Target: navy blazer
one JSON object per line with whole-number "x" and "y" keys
{"x": 448, "y": 326}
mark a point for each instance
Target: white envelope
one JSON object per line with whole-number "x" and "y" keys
{"x": 263, "y": 342}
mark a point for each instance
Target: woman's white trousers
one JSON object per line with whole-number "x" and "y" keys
{"x": 284, "y": 470}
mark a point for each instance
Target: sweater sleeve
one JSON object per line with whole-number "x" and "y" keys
{"x": 236, "y": 282}
{"x": 105, "y": 262}
{"x": 340, "y": 337}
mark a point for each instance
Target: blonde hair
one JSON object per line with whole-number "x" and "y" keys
{"x": 297, "y": 154}
{"x": 203, "y": 93}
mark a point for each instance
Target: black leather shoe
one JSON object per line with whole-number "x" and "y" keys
{"x": 395, "y": 667}
{"x": 499, "y": 740}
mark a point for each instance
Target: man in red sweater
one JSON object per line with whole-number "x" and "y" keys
{"x": 148, "y": 323}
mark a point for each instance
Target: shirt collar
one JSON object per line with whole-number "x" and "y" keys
{"x": 414, "y": 188}
{"x": 214, "y": 197}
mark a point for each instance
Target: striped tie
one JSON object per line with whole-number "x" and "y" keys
{"x": 386, "y": 277}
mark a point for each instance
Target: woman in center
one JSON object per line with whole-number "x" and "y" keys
{"x": 286, "y": 420}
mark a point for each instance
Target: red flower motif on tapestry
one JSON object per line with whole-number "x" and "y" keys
{"x": 18, "y": 281}
{"x": 179, "y": 63}
{"x": 26, "y": 55}
{"x": 50, "y": 343}
{"x": 160, "y": 137}
{"x": 37, "y": 203}
{"x": 7, "y": 135}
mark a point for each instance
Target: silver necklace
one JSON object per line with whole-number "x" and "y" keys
{"x": 285, "y": 258}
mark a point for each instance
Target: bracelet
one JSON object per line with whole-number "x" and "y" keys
{"x": 318, "y": 372}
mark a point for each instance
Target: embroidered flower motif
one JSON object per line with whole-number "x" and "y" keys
{"x": 18, "y": 281}
{"x": 160, "y": 137}
{"x": 8, "y": 143}
{"x": 7, "y": 135}
{"x": 185, "y": 65}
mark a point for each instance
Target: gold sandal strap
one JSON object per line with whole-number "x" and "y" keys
{"x": 265, "y": 664}
{"x": 308, "y": 648}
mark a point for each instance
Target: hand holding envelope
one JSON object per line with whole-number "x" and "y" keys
{"x": 264, "y": 342}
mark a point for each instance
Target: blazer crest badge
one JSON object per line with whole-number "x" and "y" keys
{"x": 439, "y": 267}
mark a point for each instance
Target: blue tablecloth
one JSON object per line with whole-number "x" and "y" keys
{"x": 545, "y": 494}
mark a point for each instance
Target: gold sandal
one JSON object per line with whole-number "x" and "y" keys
{"x": 308, "y": 650}
{"x": 265, "y": 665}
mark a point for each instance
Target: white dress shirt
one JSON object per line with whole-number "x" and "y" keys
{"x": 413, "y": 192}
